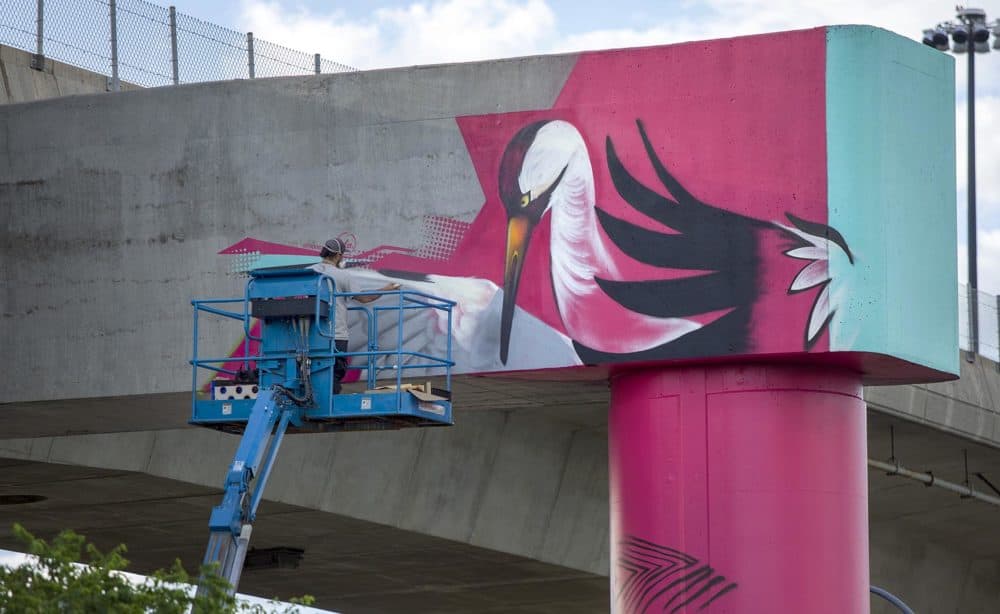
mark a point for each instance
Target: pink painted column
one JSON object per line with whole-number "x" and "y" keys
{"x": 739, "y": 488}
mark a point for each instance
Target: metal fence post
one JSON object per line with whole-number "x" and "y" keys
{"x": 973, "y": 299}
{"x": 250, "y": 52}
{"x": 173, "y": 45}
{"x": 115, "y": 83}
{"x": 998, "y": 329}
{"x": 38, "y": 59}
{"x": 317, "y": 63}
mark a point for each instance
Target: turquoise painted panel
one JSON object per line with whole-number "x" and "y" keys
{"x": 891, "y": 194}
{"x": 246, "y": 262}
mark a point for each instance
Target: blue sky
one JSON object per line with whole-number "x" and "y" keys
{"x": 380, "y": 34}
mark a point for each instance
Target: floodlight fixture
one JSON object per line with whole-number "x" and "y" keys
{"x": 937, "y": 38}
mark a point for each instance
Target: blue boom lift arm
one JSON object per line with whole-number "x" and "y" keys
{"x": 291, "y": 387}
{"x": 231, "y": 522}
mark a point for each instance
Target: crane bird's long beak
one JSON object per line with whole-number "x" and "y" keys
{"x": 519, "y": 230}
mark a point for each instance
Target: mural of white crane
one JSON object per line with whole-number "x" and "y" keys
{"x": 625, "y": 290}
{"x": 681, "y": 286}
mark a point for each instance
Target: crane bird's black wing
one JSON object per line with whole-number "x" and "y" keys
{"x": 718, "y": 247}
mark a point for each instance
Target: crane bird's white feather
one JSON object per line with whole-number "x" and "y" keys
{"x": 580, "y": 253}
{"x": 825, "y": 256}
{"x": 813, "y": 274}
{"x": 475, "y": 327}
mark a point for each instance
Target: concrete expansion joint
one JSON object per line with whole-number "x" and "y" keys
{"x": 3, "y": 74}
{"x": 938, "y": 393}
{"x": 481, "y": 488}
{"x": 940, "y": 426}
{"x": 737, "y": 364}
{"x": 149, "y": 457}
{"x": 558, "y": 491}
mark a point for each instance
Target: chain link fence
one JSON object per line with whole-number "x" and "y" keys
{"x": 988, "y": 324}
{"x": 147, "y": 44}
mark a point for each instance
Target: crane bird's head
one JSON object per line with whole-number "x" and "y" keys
{"x": 531, "y": 169}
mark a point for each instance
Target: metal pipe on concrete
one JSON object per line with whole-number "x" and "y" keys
{"x": 316, "y": 62}
{"x": 928, "y": 479}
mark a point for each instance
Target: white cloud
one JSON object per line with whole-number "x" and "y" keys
{"x": 987, "y": 187}
{"x": 460, "y": 30}
{"x": 906, "y": 17}
{"x": 436, "y": 31}
{"x": 418, "y": 33}
{"x": 330, "y": 35}
{"x": 987, "y": 144}
{"x": 742, "y": 17}
{"x": 617, "y": 38}
{"x": 989, "y": 261}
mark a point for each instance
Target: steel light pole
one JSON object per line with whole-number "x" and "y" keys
{"x": 970, "y": 34}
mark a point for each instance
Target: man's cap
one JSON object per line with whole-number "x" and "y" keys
{"x": 333, "y": 246}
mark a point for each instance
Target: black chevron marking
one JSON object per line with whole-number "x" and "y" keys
{"x": 680, "y": 586}
{"x": 658, "y": 578}
{"x": 650, "y": 564}
{"x": 704, "y": 589}
{"x": 725, "y": 589}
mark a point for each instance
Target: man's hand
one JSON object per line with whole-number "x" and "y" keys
{"x": 372, "y": 297}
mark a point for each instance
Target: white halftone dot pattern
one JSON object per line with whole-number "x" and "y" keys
{"x": 441, "y": 235}
{"x": 244, "y": 260}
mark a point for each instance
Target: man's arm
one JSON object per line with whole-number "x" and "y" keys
{"x": 371, "y": 297}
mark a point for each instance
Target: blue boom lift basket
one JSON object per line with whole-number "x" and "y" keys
{"x": 295, "y": 306}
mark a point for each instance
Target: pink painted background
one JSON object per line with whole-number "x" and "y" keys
{"x": 740, "y": 136}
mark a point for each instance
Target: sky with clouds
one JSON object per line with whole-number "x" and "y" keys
{"x": 378, "y": 34}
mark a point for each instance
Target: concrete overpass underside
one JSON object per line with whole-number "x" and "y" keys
{"x": 505, "y": 511}
{"x": 349, "y": 565}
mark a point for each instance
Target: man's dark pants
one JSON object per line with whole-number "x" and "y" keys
{"x": 339, "y": 365}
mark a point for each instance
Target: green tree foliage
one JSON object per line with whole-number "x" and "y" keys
{"x": 73, "y": 576}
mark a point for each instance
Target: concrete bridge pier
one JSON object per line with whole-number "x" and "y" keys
{"x": 739, "y": 486}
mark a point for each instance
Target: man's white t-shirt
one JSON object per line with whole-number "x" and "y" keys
{"x": 342, "y": 283}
